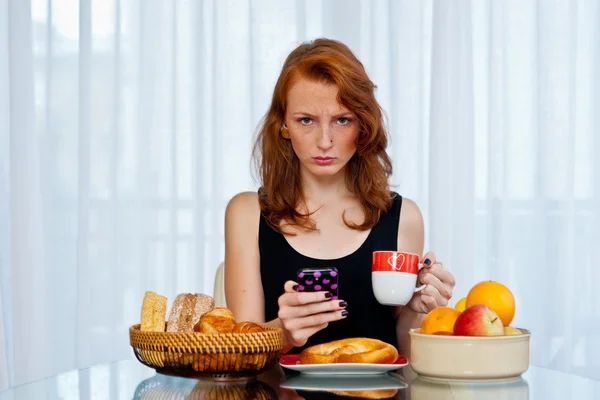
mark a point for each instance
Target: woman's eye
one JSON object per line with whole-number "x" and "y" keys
{"x": 343, "y": 121}
{"x": 305, "y": 121}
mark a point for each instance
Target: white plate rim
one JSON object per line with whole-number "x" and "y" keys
{"x": 343, "y": 368}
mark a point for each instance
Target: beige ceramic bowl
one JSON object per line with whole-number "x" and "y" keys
{"x": 470, "y": 358}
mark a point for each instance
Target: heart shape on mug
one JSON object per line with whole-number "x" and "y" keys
{"x": 399, "y": 258}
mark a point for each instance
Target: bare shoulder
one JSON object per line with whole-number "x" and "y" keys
{"x": 411, "y": 230}
{"x": 410, "y": 215}
{"x": 243, "y": 210}
{"x": 243, "y": 202}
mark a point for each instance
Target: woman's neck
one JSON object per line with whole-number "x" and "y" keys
{"x": 321, "y": 190}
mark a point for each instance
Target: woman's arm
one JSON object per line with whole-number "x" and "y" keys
{"x": 243, "y": 285}
{"x": 411, "y": 238}
{"x": 438, "y": 280}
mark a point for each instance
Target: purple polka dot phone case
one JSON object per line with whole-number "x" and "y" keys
{"x": 317, "y": 280}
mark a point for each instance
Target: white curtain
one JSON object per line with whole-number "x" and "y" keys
{"x": 127, "y": 125}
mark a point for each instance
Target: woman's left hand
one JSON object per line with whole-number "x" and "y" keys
{"x": 440, "y": 284}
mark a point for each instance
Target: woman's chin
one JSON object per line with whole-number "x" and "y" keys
{"x": 324, "y": 171}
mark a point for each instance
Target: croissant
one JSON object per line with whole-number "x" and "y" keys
{"x": 247, "y": 327}
{"x": 351, "y": 350}
{"x": 218, "y": 320}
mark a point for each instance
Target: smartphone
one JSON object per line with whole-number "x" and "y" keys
{"x": 317, "y": 280}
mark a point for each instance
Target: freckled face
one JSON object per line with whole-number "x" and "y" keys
{"x": 323, "y": 132}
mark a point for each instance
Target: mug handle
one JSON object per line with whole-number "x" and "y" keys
{"x": 422, "y": 286}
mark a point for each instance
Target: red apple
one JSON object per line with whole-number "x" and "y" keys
{"x": 478, "y": 320}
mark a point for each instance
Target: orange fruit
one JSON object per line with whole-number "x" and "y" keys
{"x": 461, "y": 304}
{"x": 496, "y": 296}
{"x": 440, "y": 319}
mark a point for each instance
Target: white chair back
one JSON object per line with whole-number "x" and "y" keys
{"x": 219, "y": 288}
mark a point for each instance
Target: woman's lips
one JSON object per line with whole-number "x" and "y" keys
{"x": 324, "y": 160}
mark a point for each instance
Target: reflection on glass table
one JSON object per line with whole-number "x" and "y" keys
{"x": 384, "y": 386}
{"x": 131, "y": 380}
{"x": 168, "y": 387}
{"x": 514, "y": 389}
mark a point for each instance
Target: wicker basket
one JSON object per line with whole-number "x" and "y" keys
{"x": 227, "y": 356}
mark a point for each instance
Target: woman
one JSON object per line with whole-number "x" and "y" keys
{"x": 324, "y": 202}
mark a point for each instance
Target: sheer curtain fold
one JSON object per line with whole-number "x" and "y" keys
{"x": 451, "y": 140}
{"x": 127, "y": 125}
{"x": 5, "y": 315}
{"x": 29, "y": 270}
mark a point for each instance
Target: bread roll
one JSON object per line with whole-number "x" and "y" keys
{"x": 187, "y": 310}
{"x": 218, "y": 320}
{"x": 351, "y": 350}
{"x": 154, "y": 312}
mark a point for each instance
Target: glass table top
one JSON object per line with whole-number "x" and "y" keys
{"x": 128, "y": 379}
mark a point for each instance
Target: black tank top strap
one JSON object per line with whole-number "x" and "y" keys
{"x": 385, "y": 233}
{"x": 383, "y": 237}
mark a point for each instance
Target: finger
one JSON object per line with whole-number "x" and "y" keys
{"x": 420, "y": 276}
{"x": 442, "y": 274}
{"x": 301, "y": 298}
{"x": 302, "y": 335}
{"x": 315, "y": 320}
{"x": 290, "y": 312}
{"x": 290, "y": 287}
{"x": 429, "y": 302}
{"x": 429, "y": 259}
{"x": 444, "y": 289}
{"x": 432, "y": 291}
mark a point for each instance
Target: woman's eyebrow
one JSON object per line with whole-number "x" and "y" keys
{"x": 299, "y": 113}
{"x": 344, "y": 114}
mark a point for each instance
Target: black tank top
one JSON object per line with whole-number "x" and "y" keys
{"x": 279, "y": 262}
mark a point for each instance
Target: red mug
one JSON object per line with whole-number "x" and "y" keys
{"x": 394, "y": 276}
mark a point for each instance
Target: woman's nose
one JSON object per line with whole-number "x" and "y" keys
{"x": 325, "y": 140}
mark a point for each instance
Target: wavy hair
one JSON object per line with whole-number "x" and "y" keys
{"x": 367, "y": 172}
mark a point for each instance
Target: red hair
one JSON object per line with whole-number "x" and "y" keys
{"x": 367, "y": 172}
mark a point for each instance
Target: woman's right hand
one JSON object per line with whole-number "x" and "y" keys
{"x": 304, "y": 314}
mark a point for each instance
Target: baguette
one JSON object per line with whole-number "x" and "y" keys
{"x": 154, "y": 311}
